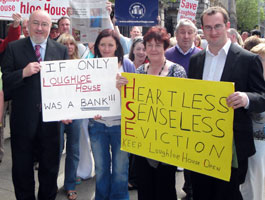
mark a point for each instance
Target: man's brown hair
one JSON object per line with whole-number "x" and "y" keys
{"x": 213, "y": 10}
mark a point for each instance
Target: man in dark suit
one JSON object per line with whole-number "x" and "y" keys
{"x": 21, "y": 79}
{"x": 223, "y": 61}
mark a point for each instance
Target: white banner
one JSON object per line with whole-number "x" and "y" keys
{"x": 187, "y": 9}
{"x": 8, "y": 7}
{"x": 76, "y": 89}
{"x": 56, "y": 8}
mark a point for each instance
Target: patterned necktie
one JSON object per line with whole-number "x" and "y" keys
{"x": 37, "y": 52}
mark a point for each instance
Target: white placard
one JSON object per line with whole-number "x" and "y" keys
{"x": 55, "y": 8}
{"x": 76, "y": 89}
{"x": 8, "y": 7}
{"x": 187, "y": 9}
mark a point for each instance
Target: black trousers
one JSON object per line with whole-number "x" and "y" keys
{"x": 45, "y": 141}
{"x": 209, "y": 188}
{"x": 155, "y": 183}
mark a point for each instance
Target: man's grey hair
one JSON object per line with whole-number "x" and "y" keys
{"x": 186, "y": 22}
{"x": 234, "y": 32}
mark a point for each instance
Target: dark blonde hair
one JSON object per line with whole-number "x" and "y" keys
{"x": 250, "y": 42}
{"x": 259, "y": 49}
{"x": 66, "y": 37}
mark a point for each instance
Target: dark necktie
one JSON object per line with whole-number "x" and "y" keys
{"x": 37, "y": 52}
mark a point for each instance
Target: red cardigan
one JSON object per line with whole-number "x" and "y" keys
{"x": 13, "y": 34}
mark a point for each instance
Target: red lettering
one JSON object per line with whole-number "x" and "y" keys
{"x": 183, "y": 3}
{"x": 55, "y": 10}
{"x": 125, "y": 89}
{"x": 188, "y": 5}
{"x": 126, "y": 128}
{"x": 47, "y": 7}
{"x": 44, "y": 83}
{"x": 7, "y": 8}
{"x": 128, "y": 108}
{"x": 63, "y": 11}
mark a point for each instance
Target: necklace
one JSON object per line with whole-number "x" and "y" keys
{"x": 160, "y": 70}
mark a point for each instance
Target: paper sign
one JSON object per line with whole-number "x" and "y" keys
{"x": 182, "y": 122}
{"x": 55, "y": 8}
{"x": 187, "y": 10}
{"x": 8, "y": 7}
{"x": 76, "y": 89}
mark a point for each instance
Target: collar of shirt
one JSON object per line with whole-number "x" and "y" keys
{"x": 43, "y": 45}
{"x": 225, "y": 48}
{"x": 42, "y": 49}
{"x": 214, "y": 64}
{"x": 185, "y": 53}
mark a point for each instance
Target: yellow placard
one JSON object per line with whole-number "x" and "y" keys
{"x": 182, "y": 122}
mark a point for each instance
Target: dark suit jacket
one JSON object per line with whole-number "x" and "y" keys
{"x": 245, "y": 70}
{"x": 26, "y": 93}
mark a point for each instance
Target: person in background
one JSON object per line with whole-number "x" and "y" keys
{"x": 111, "y": 163}
{"x": 12, "y": 35}
{"x": 25, "y": 29}
{"x": 13, "y": 32}
{"x": 172, "y": 42}
{"x": 253, "y": 187}
{"x": 204, "y": 42}
{"x": 135, "y": 31}
{"x": 64, "y": 27}
{"x": 137, "y": 53}
{"x": 29, "y": 134}
{"x": 251, "y": 41}
{"x": 198, "y": 41}
{"x": 224, "y": 61}
{"x": 244, "y": 35}
{"x": 54, "y": 31}
{"x": 235, "y": 37}
{"x": 185, "y": 33}
{"x": 72, "y": 131}
{"x": 155, "y": 180}
{"x": 256, "y": 33}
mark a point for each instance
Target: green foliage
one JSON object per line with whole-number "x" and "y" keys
{"x": 247, "y": 14}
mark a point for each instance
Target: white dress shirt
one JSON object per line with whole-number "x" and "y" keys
{"x": 185, "y": 53}
{"x": 214, "y": 64}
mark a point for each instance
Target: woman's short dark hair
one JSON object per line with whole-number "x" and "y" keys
{"x": 135, "y": 41}
{"x": 158, "y": 34}
{"x": 109, "y": 33}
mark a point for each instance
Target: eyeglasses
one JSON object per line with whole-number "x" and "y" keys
{"x": 37, "y": 23}
{"x": 216, "y": 27}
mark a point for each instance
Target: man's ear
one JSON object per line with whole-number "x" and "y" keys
{"x": 227, "y": 25}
